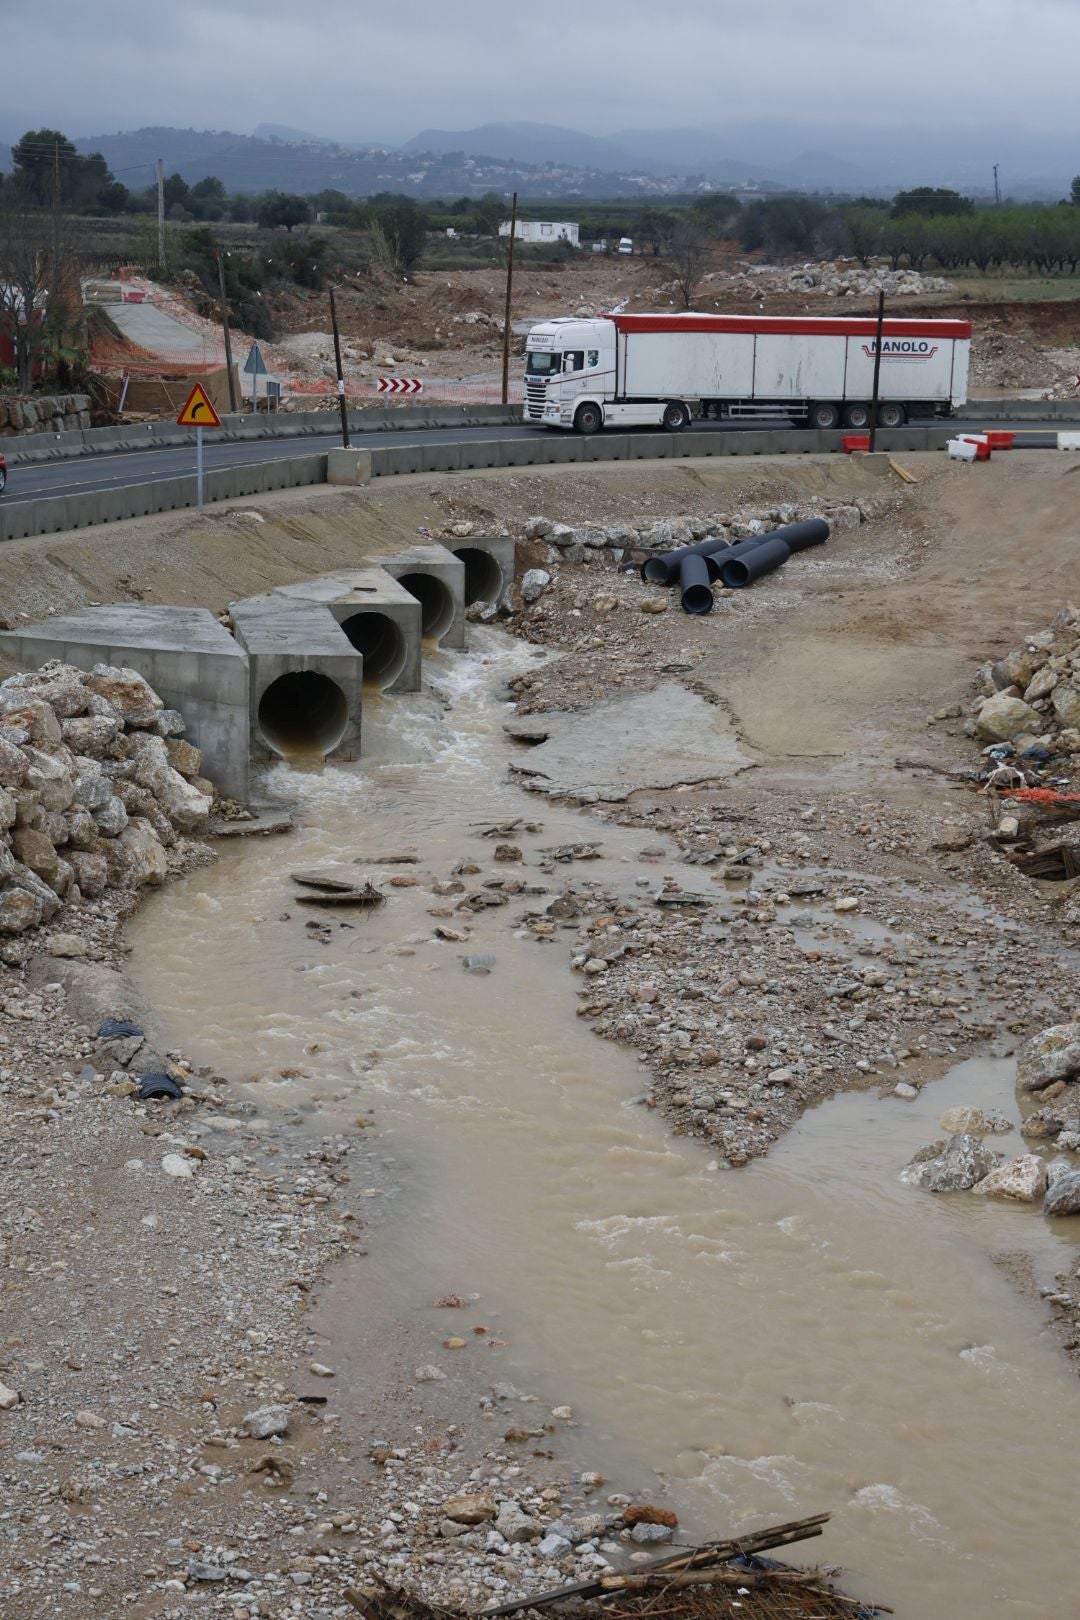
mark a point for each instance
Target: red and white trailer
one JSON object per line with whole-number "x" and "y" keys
{"x": 664, "y": 370}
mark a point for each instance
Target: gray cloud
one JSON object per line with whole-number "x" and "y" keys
{"x": 357, "y": 71}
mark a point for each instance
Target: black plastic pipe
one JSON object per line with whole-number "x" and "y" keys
{"x": 800, "y": 536}
{"x": 740, "y": 571}
{"x": 716, "y": 559}
{"x": 663, "y": 569}
{"x": 694, "y": 584}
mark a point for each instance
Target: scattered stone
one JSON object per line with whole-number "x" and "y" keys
{"x": 175, "y": 1164}
{"x": 265, "y": 1421}
{"x": 646, "y": 1513}
{"x": 962, "y": 1163}
{"x": 1053, "y": 1055}
{"x": 534, "y": 582}
{"x": 1022, "y": 1179}
{"x": 469, "y": 1509}
{"x": 1063, "y": 1197}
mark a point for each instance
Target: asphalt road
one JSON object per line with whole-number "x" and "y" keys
{"x": 122, "y": 469}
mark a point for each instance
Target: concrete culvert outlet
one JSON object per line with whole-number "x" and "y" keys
{"x": 483, "y": 576}
{"x": 436, "y": 602}
{"x": 381, "y": 643}
{"x": 303, "y": 713}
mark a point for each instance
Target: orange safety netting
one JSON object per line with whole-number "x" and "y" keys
{"x": 1047, "y": 796}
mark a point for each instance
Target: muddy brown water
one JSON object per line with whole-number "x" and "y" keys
{"x": 808, "y": 1333}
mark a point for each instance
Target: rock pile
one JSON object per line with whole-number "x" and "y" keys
{"x": 1048, "y": 1069}
{"x": 96, "y": 782}
{"x": 575, "y": 542}
{"x": 54, "y": 413}
{"x": 831, "y": 280}
{"x": 1031, "y": 697}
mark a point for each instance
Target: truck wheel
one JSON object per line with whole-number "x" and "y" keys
{"x": 675, "y": 417}
{"x": 587, "y": 419}
{"x": 857, "y": 417}
{"x": 824, "y": 415}
{"x": 891, "y": 415}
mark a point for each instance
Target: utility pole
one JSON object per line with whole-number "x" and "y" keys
{"x": 340, "y": 373}
{"x": 55, "y": 219}
{"x": 161, "y": 214}
{"x": 997, "y": 188}
{"x": 877, "y": 369}
{"x": 225, "y": 329}
{"x": 509, "y": 291}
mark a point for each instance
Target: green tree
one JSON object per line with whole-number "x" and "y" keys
{"x": 34, "y": 260}
{"x": 783, "y": 224}
{"x": 489, "y": 212}
{"x": 48, "y": 168}
{"x": 282, "y": 209}
{"x": 862, "y": 232}
{"x": 715, "y": 211}
{"x": 176, "y": 190}
{"x": 38, "y": 158}
{"x": 398, "y": 233}
{"x": 655, "y": 227}
{"x": 206, "y": 199}
{"x": 930, "y": 200}
{"x": 114, "y": 197}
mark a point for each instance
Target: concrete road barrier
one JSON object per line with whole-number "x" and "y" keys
{"x": 21, "y": 520}
{"x": 54, "y": 514}
{"x": 25, "y": 448}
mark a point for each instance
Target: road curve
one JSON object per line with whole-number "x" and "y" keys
{"x": 84, "y": 475}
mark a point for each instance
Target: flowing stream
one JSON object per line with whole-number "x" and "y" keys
{"x": 808, "y": 1333}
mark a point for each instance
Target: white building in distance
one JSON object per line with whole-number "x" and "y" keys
{"x": 543, "y": 230}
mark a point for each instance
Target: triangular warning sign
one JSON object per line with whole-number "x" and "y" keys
{"x": 198, "y": 412}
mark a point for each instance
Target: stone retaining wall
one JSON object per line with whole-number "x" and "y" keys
{"x": 45, "y": 413}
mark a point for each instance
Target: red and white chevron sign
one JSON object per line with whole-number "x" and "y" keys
{"x": 399, "y": 385}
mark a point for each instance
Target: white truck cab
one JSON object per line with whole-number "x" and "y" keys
{"x": 570, "y": 379}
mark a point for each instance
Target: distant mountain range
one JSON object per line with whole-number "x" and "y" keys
{"x": 549, "y": 161}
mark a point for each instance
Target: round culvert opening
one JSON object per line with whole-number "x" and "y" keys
{"x": 436, "y": 603}
{"x": 303, "y": 713}
{"x": 735, "y": 574}
{"x": 380, "y": 642}
{"x": 483, "y": 576}
{"x": 697, "y": 599}
{"x": 654, "y": 571}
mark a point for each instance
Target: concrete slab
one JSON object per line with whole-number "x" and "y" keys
{"x": 306, "y": 681}
{"x": 381, "y": 619}
{"x": 189, "y": 659}
{"x": 489, "y": 565}
{"x": 659, "y": 739}
{"x": 437, "y": 579}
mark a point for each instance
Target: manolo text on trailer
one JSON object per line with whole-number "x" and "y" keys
{"x": 665, "y": 370}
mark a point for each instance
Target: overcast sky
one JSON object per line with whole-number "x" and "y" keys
{"x": 355, "y": 69}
